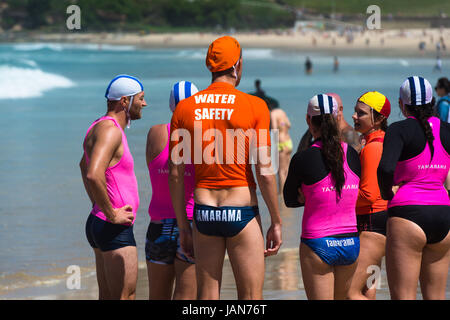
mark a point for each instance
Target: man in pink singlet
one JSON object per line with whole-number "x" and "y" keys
{"x": 107, "y": 169}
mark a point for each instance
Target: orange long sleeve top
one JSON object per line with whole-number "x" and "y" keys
{"x": 369, "y": 197}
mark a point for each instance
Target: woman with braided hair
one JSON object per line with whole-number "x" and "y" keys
{"x": 324, "y": 179}
{"x": 414, "y": 166}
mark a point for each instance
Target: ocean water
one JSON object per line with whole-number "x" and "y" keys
{"x": 49, "y": 95}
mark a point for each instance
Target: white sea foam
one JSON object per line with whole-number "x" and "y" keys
{"x": 383, "y": 61}
{"x": 37, "y": 46}
{"x": 28, "y": 62}
{"x": 247, "y": 54}
{"x": 404, "y": 63}
{"x": 18, "y": 83}
{"x": 58, "y": 47}
{"x": 257, "y": 54}
{"x": 107, "y": 47}
{"x": 190, "y": 54}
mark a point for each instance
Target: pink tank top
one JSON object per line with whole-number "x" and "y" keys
{"x": 423, "y": 181}
{"x": 324, "y": 213}
{"x": 121, "y": 180}
{"x": 161, "y": 204}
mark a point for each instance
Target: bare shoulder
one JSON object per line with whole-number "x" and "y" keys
{"x": 104, "y": 139}
{"x": 280, "y": 115}
{"x": 156, "y": 141}
{"x": 106, "y": 127}
{"x": 157, "y": 131}
{"x": 105, "y": 131}
{"x": 278, "y": 112}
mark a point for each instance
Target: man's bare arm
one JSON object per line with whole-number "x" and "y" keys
{"x": 176, "y": 186}
{"x": 267, "y": 184}
{"x": 83, "y": 169}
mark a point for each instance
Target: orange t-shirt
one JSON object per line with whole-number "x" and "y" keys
{"x": 225, "y": 127}
{"x": 369, "y": 197}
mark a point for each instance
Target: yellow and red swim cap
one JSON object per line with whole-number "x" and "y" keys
{"x": 223, "y": 53}
{"x": 377, "y": 101}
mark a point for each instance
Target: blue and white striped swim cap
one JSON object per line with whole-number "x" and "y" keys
{"x": 322, "y": 104}
{"x": 181, "y": 90}
{"x": 416, "y": 91}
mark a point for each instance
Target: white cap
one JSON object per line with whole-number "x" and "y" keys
{"x": 181, "y": 90}
{"x": 322, "y": 104}
{"x": 123, "y": 85}
{"x": 416, "y": 91}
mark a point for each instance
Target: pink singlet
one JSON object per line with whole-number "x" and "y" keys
{"x": 161, "y": 204}
{"x": 324, "y": 213}
{"x": 423, "y": 181}
{"x": 121, "y": 180}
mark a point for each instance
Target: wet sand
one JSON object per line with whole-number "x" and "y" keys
{"x": 283, "y": 281}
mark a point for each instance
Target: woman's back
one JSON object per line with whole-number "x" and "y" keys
{"x": 407, "y": 159}
{"x": 161, "y": 203}
{"x": 322, "y": 206}
{"x": 326, "y": 212}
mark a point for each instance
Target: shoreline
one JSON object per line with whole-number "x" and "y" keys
{"x": 283, "y": 281}
{"x": 396, "y": 42}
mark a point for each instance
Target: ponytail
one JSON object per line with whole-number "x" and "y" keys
{"x": 331, "y": 148}
{"x": 384, "y": 125}
{"x": 384, "y": 122}
{"x": 422, "y": 113}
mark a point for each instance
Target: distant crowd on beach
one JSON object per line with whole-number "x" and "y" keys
{"x": 370, "y": 190}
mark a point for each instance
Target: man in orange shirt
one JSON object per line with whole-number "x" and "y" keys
{"x": 223, "y": 131}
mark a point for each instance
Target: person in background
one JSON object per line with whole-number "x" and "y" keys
{"x": 308, "y": 66}
{"x": 438, "y": 65}
{"x": 272, "y": 103}
{"x": 278, "y": 121}
{"x": 259, "y": 92}
{"x": 336, "y": 64}
{"x": 443, "y": 104}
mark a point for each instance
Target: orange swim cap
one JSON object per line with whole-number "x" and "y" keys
{"x": 223, "y": 53}
{"x": 377, "y": 101}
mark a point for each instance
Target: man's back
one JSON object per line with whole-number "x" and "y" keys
{"x": 239, "y": 119}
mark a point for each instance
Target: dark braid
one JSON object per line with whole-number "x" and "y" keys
{"x": 377, "y": 116}
{"x": 305, "y": 141}
{"x": 331, "y": 148}
{"x": 384, "y": 125}
{"x": 422, "y": 113}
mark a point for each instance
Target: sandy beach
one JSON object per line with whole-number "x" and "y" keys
{"x": 404, "y": 42}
